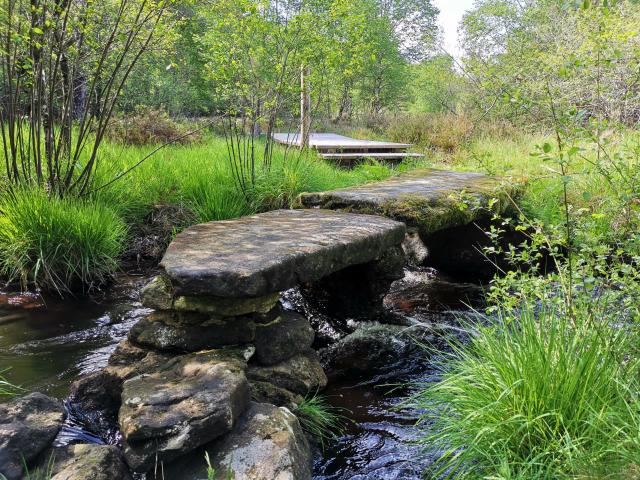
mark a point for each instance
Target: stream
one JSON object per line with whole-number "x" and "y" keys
{"x": 46, "y": 343}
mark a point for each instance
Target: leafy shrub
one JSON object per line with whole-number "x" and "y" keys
{"x": 59, "y": 244}
{"x": 150, "y": 125}
{"x": 446, "y": 131}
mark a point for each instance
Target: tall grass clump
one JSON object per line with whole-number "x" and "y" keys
{"x": 58, "y": 244}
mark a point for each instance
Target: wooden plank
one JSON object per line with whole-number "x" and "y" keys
{"x": 325, "y": 141}
{"x": 381, "y": 155}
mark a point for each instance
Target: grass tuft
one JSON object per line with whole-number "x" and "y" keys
{"x": 542, "y": 397}
{"x": 57, "y": 244}
{"x": 320, "y": 419}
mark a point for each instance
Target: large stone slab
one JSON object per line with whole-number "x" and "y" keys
{"x": 271, "y": 252}
{"x": 427, "y": 199}
{"x": 28, "y": 425}
{"x": 188, "y": 402}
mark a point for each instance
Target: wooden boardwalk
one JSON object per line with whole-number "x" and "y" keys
{"x": 348, "y": 150}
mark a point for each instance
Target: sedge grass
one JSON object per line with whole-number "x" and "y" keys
{"x": 57, "y": 243}
{"x": 540, "y": 398}
{"x": 321, "y": 420}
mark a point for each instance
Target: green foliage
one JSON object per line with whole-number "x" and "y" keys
{"x": 6, "y": 387}
{"x": 57, "y": 243}
{"x": 321, "y": 420}
{"x": 583, "y": 55}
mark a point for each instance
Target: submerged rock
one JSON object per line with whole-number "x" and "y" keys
{"x": 88, "y": 462}
{"x": 283, "y": 338}
{"x": 370, "y": 348}
{"x": 187, "y": 402}
{"x": 191, "y": 332}
{"x": 28, "y": 425}
{"x": 300, "y": 374}
{"x": 266, "y": 444}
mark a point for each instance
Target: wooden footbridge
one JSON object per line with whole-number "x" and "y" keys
{"x": 346, "y": 150}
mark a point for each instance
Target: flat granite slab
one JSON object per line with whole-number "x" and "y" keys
{"x": 271, "y": 252}
{"x": 428, "y": 199}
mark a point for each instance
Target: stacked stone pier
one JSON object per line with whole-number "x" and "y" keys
{"x": 218, "y": 358}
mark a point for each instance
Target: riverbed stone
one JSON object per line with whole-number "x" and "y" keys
{"x": 159, "y": 295}
{"x": 370, "y": 348}
{"x": 428, "y": 200}
{"x": 88, "y": 462}
{"x": 187, "y": 402}
{"x": 286, "y": 336}
{"x": 264, "y": 254}
{"x": 301, "y": 374}
{"x": 28, "y": 425}
{"x": 265, "y": 392}
{"x": 266, "y": 444}
{"x": 191, "y": 332}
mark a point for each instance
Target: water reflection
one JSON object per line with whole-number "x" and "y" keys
{"x": 46, "y": 348}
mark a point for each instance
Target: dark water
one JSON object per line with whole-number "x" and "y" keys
{"x": 45, "y": 348}
{"x": 46, "y": 343}
{"x": 380, "y": 440}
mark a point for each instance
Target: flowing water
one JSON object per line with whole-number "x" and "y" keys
{"x": 47, "y": 343}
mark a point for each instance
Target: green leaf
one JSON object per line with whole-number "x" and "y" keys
{"x": 546, "y": 148}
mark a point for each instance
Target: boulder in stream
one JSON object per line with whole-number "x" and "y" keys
{"x": 266, "y": 444}
{"x": 28, "y": 425}
{"x": 301, "y": 374}
{"x": 88, "y": 462}
{"x": 189, "y": 401}
{"x": 370, "y": 348}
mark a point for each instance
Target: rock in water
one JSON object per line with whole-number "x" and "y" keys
{"x": 89, "y": 462}
{"x": 28, "y": 425}
{"x": 283, "y": 338}
{"x": 266, "y": 444}
{"x": 370, "y": 348}
{"x": 301, "y": 374}
{"x": 188, "y": 402}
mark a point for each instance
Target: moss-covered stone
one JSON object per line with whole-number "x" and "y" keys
{"x": 226, "y": 307}
{"x": 426, "y": 200}
{"x": 191, "y": 332}
{"x": 157, "y": 294}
